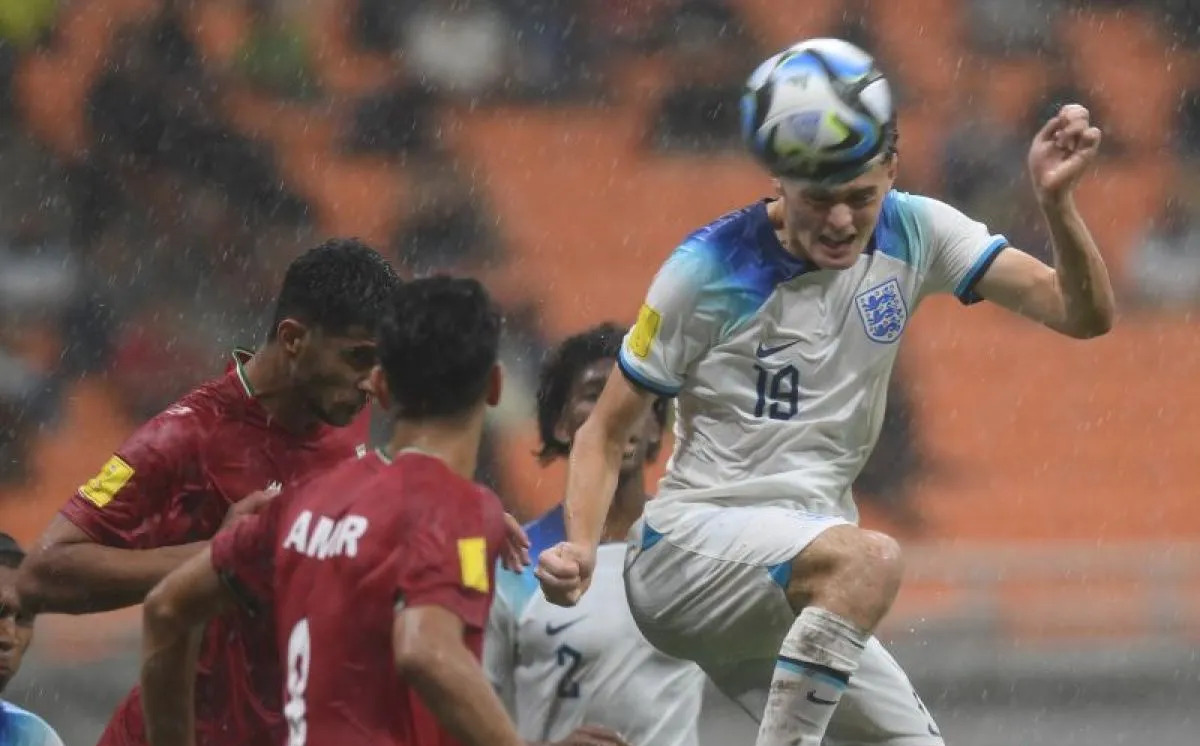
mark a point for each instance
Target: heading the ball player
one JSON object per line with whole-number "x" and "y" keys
{"x": 776, "y": 327}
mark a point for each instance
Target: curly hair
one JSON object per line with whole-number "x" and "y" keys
{"x": 559, "y": 370}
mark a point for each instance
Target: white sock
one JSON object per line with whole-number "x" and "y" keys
{"x": 817, "y": 658}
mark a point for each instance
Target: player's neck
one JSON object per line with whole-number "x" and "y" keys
{"x": 454, "y": 441}
{"x": 627, "y": 505}
{"x": 266, "y": 378}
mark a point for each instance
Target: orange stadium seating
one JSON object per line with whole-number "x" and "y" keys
{"x": 1046, "y": 440}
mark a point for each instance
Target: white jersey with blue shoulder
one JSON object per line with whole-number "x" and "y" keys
{"x": 780, "y": 369}
{"x": 20, "y": 727}
{"x": 558, "y": 669}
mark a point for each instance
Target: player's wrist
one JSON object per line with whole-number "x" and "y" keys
{"x": 1056, "y": 203}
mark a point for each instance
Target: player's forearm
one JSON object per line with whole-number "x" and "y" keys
{"x": 454, "y": 687}
{"x": 1087, "y": 293}
{"x": 169, "y": 649}
{"x": 83, "y": 578}
{"x": 595, "y": 462}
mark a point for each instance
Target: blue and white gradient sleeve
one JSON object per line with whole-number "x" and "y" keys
{"x": 674, "y": 327}
{"x": 20, "y": 727}
{"x": 959, "y": 250}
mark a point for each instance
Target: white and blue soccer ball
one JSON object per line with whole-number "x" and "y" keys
{"x": 818, "y": 110}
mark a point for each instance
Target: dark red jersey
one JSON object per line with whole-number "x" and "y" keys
{"x": 171, "y": 483}
{"x": 335, "y": 559}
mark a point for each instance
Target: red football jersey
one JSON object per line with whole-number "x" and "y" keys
{"x": 171, "y": 483}
{"x": 335, "y": 559}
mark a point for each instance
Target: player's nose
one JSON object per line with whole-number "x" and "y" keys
{"x": 840, "y": 219}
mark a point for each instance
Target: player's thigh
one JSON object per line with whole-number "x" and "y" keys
{"x": 880, "y": 707}
{"x": 711, "y": 589}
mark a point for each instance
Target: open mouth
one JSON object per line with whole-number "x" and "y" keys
{"x": 836, "y": 244}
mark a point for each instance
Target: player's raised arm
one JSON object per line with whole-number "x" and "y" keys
{"x": 173, "y": 622}
{"x": 1075, "y": 297}
{"x": 674, "y": 327}
{"x": 565, "y": 570}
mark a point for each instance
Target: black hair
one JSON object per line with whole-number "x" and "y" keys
{"x": 11, "y": 554}
{"x": 342, "y": 283}
{"x": 559, "y": 371}
{"x": 438, "y": 342}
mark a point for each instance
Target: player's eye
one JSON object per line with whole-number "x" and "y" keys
{"x": 360, "y": 357}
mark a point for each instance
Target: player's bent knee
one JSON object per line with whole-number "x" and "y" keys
{"x": 881, "y": 557}
{"x": 848, "y": 567}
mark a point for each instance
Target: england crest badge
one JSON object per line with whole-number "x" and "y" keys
{"x": 882, "y": 311}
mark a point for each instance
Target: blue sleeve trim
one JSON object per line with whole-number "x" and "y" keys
{"x": 641, "y": 381}
{"x": 965, "y": 291}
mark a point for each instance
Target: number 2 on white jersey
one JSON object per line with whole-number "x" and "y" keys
{"x": 299, "y": 659}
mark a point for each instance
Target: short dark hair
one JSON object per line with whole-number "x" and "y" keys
{"x": 559, "y": 371}
{"x": 438, "y": 342}
{"x": 11, "y": 554}
{"x": 342, "y": 283}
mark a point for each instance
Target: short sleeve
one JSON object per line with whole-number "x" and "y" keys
{"x": 449, "y": 558}
{"x": 243, "y": 554}
{"x": 23, "y": 728}
{"x": 959, "y": 250}
{"x": 123, "y": 504}
{"x": 499, "y": 644}
{"x": 674, "y": 326}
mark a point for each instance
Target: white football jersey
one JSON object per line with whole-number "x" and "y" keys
{"x": 780, "y": 369}
{"x": 557, "y": 669}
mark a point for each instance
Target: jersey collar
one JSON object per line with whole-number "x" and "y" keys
{"x": 240, "y": 356}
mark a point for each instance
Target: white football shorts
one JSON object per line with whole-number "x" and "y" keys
{"x": 709, "y": 588}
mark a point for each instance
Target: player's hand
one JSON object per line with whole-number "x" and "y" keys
{"x": 565, "y": 572}
{"x": 248, "y": 505}
{"x": 514, "y": 555}
{"x": 592, "y": 735}
{"x": 1061, "y": 152}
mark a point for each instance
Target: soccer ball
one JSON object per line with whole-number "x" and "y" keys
{"x": 820, "y": 110}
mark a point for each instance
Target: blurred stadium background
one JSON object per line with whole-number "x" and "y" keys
{"x": 163, "y": 160}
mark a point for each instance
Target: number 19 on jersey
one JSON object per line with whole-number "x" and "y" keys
{"x": 778, "y": 392}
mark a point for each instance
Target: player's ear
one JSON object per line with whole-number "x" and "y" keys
{"x": 379, "y": 388}
{"x": 495, "y": 384}
{"x": 291, "y": 334}
{"x": 778, "y": 187}
{"x": 893, "y": 166}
